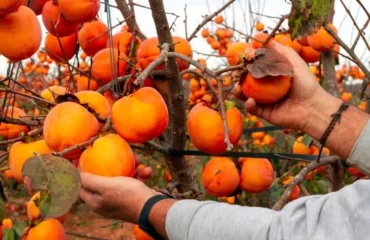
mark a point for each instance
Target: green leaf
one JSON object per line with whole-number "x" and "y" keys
{"x": 45, "y": 204}
{"x": 307, "y": 140}
{"x": 58, "y": 177}
{"x": 274, "y": 192}
{"x": 19, "y": 227}
{"x": 8, "y": 234}
{"x": 307, "y": 16}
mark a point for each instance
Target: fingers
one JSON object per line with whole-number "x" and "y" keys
{"x": 91, "y": 199}
{"x": 252, "y": 107}
{"x": 93, "y": 183}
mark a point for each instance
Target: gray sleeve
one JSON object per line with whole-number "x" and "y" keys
{"x": 341, "y": 215}
{"x": 360, "y": 154}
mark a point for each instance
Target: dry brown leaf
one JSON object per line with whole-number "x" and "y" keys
{"x": 268, "y": 62}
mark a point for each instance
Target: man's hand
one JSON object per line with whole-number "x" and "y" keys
{"x": 304, "y": 96}
{"x": 308, "y": 107}
{"x": 115, "y": 197}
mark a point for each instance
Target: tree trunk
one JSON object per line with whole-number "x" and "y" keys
{"x": 335, "y": 172}
{"x": 179, "y": 168}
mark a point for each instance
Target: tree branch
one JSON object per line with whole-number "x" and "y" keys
{"x": 354, "y": 57}
{"x": 299, "y": 178}
{"x": 179, "y": 168}
{"x": 131, "y": 23}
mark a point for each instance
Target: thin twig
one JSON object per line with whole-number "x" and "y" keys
{"x": 357, "y": 27}
{"x": 278, "y": 25}
{"x": 186, "y": 22}
{"x": 78, "y": 146}
{"x": 32, "y": 133}
{"x": 28, "y": 96}
{"x": 209, "y": 18}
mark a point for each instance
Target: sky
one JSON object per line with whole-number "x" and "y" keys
{"x": 236, "y": 15}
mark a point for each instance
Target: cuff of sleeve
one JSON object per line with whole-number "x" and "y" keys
{"x": 360, "y": 153}
{"x": 180, "y": 216}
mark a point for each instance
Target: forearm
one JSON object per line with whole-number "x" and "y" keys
{"x": 340, "y": 215}
{"x": 158, "y": 215}
{"x": 345, "y": 133}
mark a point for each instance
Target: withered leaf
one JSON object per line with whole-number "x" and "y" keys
{"x": 56, "y": 176}
{"x": 270, "y": 63}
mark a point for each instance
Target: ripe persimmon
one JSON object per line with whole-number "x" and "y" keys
{"x": 220, "y": 177}
{"x": 19, "y": 152}
{"x": 51, "y": 16}
{"x": 309, "y": 55}
{"x": 257, "y": 175}
{"x": 19, "y": 40}
{"x": 286, "y": 40}
{"x": 79, "y": 11}
{"x": 355, "y": 172}
{"x": 36, "y": 5}
{"x": 65, "y": 50}
{"x": 260, "y": 26}
{"x": 300, "y": 148}
{"x": 122, "y": 41}
{"x": 295, "y": 193}
{"x": 93, "y": 37}
{"x": 50, "y": 229}
{"x": 268, "y": 89}
{"x": 9, "y": 130}
{"x": 83, "y": 83}
{"x": 9, "y": 6}
{"x": 109, "y": 156}
{"x": 101, "y": 68}
{"x": 51, "y": 93}
{"x": 346, "y": 96}
{"x": 140, "y": 234}
{"x": 69, "y": 124}
{"x": 216, "y": 45}
{"x": 219, "y": 19}
{"x": 140, "y": 116}
{"x": 149, "y": 51}
{"x": 259, "y": 39}
{"x": 205, "y": 32}
{"x": 236, "y": 52}
{"x": 95, "y": 101}
{"x": 206, "y": 128}
{"x": 322, "y": 41}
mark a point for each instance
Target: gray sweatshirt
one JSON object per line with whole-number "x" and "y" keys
{"x": 335, "y": 216}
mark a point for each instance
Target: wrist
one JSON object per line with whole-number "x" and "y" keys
{"x": 324, "y": 105}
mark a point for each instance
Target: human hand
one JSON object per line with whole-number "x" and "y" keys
{"x": 115, "y": 197}
{"x": 304, "y": 96}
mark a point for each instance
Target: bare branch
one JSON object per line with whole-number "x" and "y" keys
{"x": 78, "y": 146}
{"x": 28, "y": 96}
{"x": 299, "y": 178}
{"x": 278, "y": 25}
{"x": 357, "y": 27}
{"x": 32, "y": 133}
{"x": 354, "y": 57}
{"x": 126, "y": 13}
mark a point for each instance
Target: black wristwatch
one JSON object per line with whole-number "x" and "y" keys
{"x": 144, "y": 223}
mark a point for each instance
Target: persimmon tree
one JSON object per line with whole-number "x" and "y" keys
{"x": 95, "y": 101}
